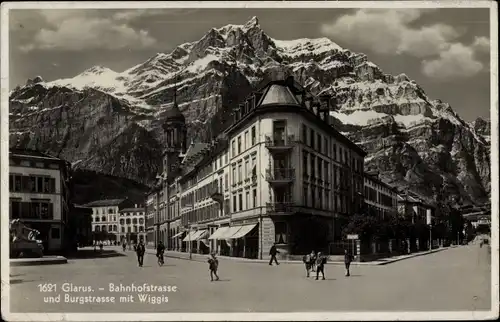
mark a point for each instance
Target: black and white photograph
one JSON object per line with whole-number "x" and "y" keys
{"x": 275, "y": 160}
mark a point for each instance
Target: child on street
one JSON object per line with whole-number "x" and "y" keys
{"x": 213, "y": 265}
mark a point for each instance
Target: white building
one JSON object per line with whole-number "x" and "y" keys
{"x": 280, "y": 174}
{"x": 131, "y": 227}
{"x": 105, "y": 217}
{"x": 39, "y": 195}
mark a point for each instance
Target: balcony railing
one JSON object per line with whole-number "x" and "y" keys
{"x": 280, "y": 141}
{"x": 217, "y": 195}
{"x": 280, "y": 174}
{"x": 280, "y": 207}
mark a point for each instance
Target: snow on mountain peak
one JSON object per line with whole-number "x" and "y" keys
{"x": 97, "y": 70}
{"x": 253, "y": 22}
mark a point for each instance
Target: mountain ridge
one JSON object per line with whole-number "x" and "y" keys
{"x": 212, "y": 74}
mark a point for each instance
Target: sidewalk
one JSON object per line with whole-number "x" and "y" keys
{"x": 381, "y": 261}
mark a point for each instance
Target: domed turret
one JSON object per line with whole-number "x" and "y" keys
{"x": 174, "y": 115}
{"x": 175, "y": 129}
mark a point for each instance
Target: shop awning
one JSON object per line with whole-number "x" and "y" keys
{"x": 218, "y": 233}
{"x": 189, "y": 236}
{"x": 199, "y": 234}
{"x": 230, "y": 232}
{"x": 243, "y": 231}
{"x": 177, "y": 235}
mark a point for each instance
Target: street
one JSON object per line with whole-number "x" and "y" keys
{"x": 450, "y": 280}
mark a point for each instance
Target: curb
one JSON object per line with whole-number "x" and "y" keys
{"x": 390, "y": 261}
{"x": 38, "y": 261}
{"x": 196, "y": 257}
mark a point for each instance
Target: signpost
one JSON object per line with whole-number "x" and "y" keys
{"x": 429, "y": 222}
{"x": 353, "y": 237}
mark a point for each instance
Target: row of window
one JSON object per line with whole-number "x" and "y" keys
{"x": 249, "y": 171}
{"x": 139, "y": 213}
{"x": 317, "y": 167}
{"x": 250, "y": 201}
{"x": 101, "y": 211}
{"x": 249, "y": 140}
{"x": 379, "y": 197}
{"x": 320, "y": 198}
{"x": 114, "y": 228}
{"x": 103, "y": 218}
{"x": 320, "y": 144}
{"x": 378, "y": 186}
{"x": 31, "y": 210}
{"x": 31, "y": 183}
{"x": 204, "y": 213}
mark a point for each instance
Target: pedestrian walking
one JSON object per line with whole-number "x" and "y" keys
{"x": 101, "y": 246}
{"x": 347, "y": 261}
{"x": 272, "y": 252}
{"x": 213, "y": 265}
{"x": 124, "y": 245}
{"x": 320, "y": 265}
{"x": 160, "y": 249}
{"x": 314, "y": 258}
{"x": 140, "y": 250}
{"x": 307, "y": 261}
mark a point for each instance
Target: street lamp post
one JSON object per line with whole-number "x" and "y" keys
{"x": 190, "y": 243}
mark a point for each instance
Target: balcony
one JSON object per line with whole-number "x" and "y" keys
{"x": 280, "y": 143}
{"x": 217, "y": 196}
{"x": 280, "y": 175}
{"x": 280, "y": 208}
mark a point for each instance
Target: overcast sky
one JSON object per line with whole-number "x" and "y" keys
{"x": 445, "y": 50}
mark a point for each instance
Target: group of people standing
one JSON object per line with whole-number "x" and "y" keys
{"x": 313, "y": 262}
{"x": 317, "y": 263}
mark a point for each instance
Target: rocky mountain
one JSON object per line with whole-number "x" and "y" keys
{"x": 110, "y": 121}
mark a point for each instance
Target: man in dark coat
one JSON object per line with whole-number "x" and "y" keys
{"x": 272, "y": 252}
{"x": 347, "y": 261}
{"x": 140, "y": 250}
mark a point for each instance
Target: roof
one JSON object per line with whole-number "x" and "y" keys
{"x": 104, "y": 203}
{"x": 133, "y": 209}
{"x": 278, "y": 94}
{"x": 174, "y": 114}
{"x": 194, "y": 149}
{"x": 31, "y": 153}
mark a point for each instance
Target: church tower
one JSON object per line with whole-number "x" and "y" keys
{"x": 175, "y": 138}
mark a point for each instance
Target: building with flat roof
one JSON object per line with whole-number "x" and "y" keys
{"x": 281, "y": 173}
{"x": 131, "y": 227}
{"x": 380, "y": 198}
{"x": 39, "y": 195}
{"x": 105, "y": 218}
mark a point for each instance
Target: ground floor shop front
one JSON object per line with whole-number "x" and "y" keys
{"x": 253, "y": 237}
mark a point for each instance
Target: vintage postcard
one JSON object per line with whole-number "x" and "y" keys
{"x": 322, "y": 160}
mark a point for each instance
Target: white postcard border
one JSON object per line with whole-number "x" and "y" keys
{"x": 342, "y": 316}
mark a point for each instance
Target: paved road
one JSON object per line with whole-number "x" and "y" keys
{"x": 454, "y": 279}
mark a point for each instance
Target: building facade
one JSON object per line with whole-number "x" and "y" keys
{"x": 105, "y": 218}
{"x": 131, "y": 225}
{"x": 39, "y": 195}
{"x": 413, "y": 207}
{"x": 280, "y": 174}
{"x": 380, "y": 198}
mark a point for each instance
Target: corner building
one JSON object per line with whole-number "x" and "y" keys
{"x": 279, "y": 174}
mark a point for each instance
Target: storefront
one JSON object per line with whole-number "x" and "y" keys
{"x": 237, "y": 241}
